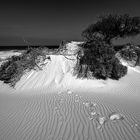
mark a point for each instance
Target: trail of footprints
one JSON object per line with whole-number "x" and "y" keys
{"x": 67, "y": 116}
{"x": 92, "y": 111}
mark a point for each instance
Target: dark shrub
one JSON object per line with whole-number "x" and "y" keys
{"x": 99, "y": 61}
{"x": 118, "y": 70}
{"x": 13, "y": 69}
{"x": 113, "y": 26}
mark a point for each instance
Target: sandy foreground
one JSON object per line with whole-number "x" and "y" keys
{"x": 52, "y": 105}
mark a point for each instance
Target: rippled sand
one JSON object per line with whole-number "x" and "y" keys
{"x": 68, "y": 115}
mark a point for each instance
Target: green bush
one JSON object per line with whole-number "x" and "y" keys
{"x": 13, "y": 69}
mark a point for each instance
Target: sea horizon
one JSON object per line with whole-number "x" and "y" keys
{"x": 23, "y": 47}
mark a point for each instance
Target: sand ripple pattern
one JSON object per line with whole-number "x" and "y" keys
{"x": 63, "y": 116}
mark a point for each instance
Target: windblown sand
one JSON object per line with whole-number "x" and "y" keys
{"x": 53, "y": 105}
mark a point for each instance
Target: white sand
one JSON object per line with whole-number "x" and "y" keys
{"x": 5, "y": 54}
{"x": 53, "y": 105}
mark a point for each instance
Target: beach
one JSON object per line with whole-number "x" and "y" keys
{"x": 51, "y": 104}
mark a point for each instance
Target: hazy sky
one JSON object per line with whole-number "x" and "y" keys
{"x": 52, "y": 21}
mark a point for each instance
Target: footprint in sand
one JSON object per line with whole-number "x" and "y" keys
{"x": 101, "y": 121}
{"x": 93, "y": 115}
{"x": 116, "y": 116}
{"x": 69, "y": 91}
{"x": 90, "y": 105}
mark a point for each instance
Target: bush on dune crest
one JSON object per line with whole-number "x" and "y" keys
{"x": 99, "y": 62}
{"x": 99, "y": 59}
{"x": 13, "y": 69}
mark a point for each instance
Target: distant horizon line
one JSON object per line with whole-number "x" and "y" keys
{"x": 23, "y": 47}
{"x": 29, "y": 45}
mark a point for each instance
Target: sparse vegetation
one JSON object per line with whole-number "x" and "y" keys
{"x": 13, "y": 69}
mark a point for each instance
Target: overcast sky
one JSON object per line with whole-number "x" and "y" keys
{"x": 50, "y": 22}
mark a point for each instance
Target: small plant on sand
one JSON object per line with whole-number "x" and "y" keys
{"x": 16, "y": 66}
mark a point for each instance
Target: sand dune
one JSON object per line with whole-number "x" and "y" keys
{"x": 58, "y": 72}
{"x": 53, "y": 105}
